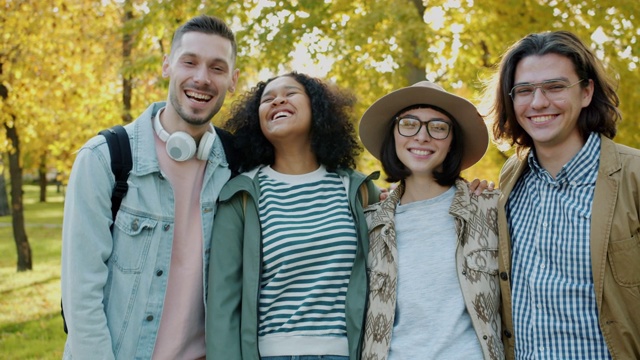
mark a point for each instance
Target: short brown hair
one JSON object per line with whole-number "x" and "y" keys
{"x": 207, "y": 25}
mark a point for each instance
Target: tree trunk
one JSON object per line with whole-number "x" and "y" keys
{"x": 19, "y": 232}
{"x": 415, "y": 67}
{"x": 127, "y": 45}
{"x": 42, "y": 178}
{"x": 15, "y": 172}
{"x": 4, "y": 199}
{"x": 415, "y": 74}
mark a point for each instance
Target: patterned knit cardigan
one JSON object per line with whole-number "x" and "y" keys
{"x": 476, "y": 263}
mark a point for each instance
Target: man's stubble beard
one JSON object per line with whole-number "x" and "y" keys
{"x": 192, "y": 120}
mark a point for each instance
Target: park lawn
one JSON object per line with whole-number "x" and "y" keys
{"x": 30, "y": 322}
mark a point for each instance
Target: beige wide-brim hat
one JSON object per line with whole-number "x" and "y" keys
{"x": 375, "y": 121}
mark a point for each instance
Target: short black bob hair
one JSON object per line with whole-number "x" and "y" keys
{"x": 397, "y": 171}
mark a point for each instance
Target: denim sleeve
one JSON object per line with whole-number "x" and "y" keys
{"x": 86, "y": 247}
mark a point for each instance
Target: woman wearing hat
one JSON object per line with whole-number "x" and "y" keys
{"x": 433, "y": 256}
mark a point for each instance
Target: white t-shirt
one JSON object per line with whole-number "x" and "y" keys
{"x": 431, "y": 320}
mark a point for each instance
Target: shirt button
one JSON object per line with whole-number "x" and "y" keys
{"x": 504, "y": 276}
{"x": 542, "y": 266}
{"x": 159, "y": 273}
{"x": 149, "y": 317}
{"x": 544, "y": 224}
{"x": 539, "y": 306}
{"x": 166, "y": 227}
{"x": 573, "y": 184}
{"x": 541, "y": 348}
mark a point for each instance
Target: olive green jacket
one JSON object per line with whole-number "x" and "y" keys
{"x": 615, "y": 248}
{"x": 235, "y": 268}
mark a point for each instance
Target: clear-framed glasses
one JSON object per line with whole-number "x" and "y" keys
{"x": 552, "y": 89}
{"x": 437, "y": 129}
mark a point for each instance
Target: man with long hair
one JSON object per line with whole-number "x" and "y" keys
{"x": 569, "y": 215}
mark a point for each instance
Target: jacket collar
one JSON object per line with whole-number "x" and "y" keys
{"x": 388, "y": 205}
{"x": 459, "y": 207}
{"x": 610, "y": 161}
{"x": 143, "y": 142}
{"x": 143, "y": 147}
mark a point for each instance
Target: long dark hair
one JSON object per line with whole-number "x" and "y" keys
{"x": 600, "y": 116}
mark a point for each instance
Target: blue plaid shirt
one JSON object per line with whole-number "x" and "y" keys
{"x": 554, "y": 305}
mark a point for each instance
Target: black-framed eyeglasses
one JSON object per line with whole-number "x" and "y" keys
{"x": 552, "y": 89}
{"x": 437, "y": 129}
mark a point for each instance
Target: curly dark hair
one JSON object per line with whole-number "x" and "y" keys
{"x": 451, "y": 166}
{"x": 333, "y": 136}
{"x": 600, "y": 116}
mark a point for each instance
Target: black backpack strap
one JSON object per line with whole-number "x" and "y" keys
{"x": 229, "y": 150}
{"x": 121, "y": 164}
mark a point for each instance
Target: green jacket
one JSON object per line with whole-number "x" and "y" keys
{"x": 615, "y": 248}
{"x": 235, "y": 269}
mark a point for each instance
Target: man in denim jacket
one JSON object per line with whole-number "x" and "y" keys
{"x": 138, "y": 291}
{"x": 569, "y": 216}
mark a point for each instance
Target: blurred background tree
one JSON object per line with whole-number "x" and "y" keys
{"x": 69, "y": 68}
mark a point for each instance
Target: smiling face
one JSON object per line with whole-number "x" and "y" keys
{"x": 201, "y": 71}
{"x": 552, "y": 124}
{"x": 285, "y": 111}
{"x": 421, "y": 153}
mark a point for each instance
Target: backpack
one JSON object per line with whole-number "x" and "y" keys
{"x": 121, "y": 164}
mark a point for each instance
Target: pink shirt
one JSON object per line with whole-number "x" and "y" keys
{"x": 181, "y": 333}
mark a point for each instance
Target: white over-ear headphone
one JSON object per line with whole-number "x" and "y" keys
{"x": 181, "y": 146}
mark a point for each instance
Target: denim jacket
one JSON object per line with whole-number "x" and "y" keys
{"x": 113, "y": 286}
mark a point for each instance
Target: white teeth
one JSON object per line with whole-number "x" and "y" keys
{"x": 198, "y": 96}
{"x": 541, "y": 119}
{"x": 421, "y": 152}
{"x": 281, "y": 114}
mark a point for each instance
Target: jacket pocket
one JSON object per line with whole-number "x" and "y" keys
{"x": 624, "y": 257}
{"x": 484, "y": 260}
{"x": 131, "y": 241}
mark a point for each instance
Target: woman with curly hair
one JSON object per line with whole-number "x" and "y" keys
{"x": 287, "y": 275}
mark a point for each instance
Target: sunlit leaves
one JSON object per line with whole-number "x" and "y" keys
{"x": 62, "y": 60}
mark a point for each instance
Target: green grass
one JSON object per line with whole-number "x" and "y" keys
{"x": 30, "y": 322}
